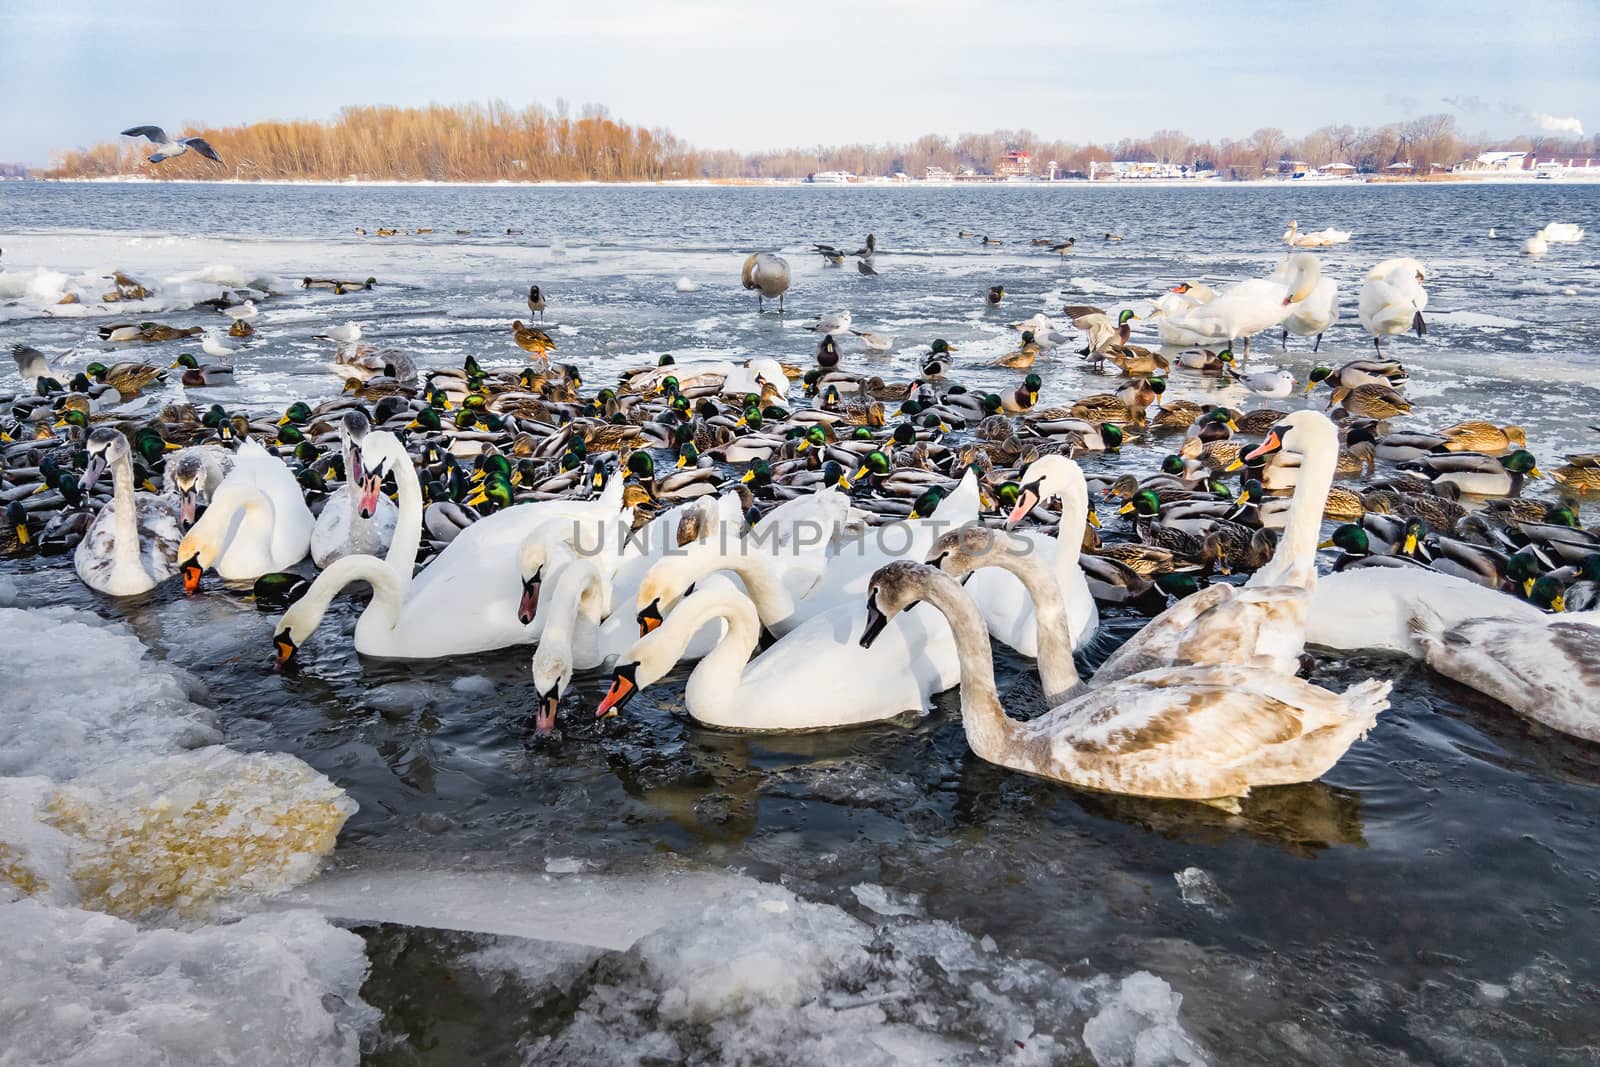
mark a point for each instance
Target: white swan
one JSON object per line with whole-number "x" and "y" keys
{"x": 257, "y": 522}
{"x": 572, "y": 612}
{"x": 817, "y": 676}
{"x": 1562, "y": 233}
{"x": 1263, "y": 621}
{"x": 1370, "y": 608}
{"x": 1173, "y": 303}
{"x": 1535, "y": 245}
{"x": 1392, "y": 299}
{"x": 1249, "y": 307}
{"x": 1207, "y": 733}
{"x": 465, "y": 601}
{"x": 768, "y": 274}
{"x": 1547, "y": 671}
{"x": 132, "y": 545}
{"x": 1312, "y": 316}
{"x": 788, "y": 587}
{"x": 357, "y": 517}
{"x": 1316, "y": 238}
{"x": 192, "y": 474}
{"x": 999, "y": 594}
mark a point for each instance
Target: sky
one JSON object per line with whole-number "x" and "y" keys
{"x": 755, "y": 75}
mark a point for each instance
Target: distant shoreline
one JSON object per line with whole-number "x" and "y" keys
{"x": 786, "y": 183}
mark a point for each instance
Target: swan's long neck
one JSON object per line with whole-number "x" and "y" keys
{"x": 989, "y": 731}
{"x": 717, "y": 677}
{"x": 578, "y": 607}
{"x": 388, "y": 592}
{"x": 402, "y": 554}
{"x": 1295, "y": 561}
{"x": 256, "y": 524}
{"x": 125, "y": 517}
{"x": 771, "y": 599}
{"x": 1051, "y": 622}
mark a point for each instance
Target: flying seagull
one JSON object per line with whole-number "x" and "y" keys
{"x": 166, "y": 147}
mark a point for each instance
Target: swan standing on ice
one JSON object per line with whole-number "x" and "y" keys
{"x": 1312, "y": 316}
{"x": 1393, "y": 299}
{"x": 1249, "y": 307}
{"x": 768, "y": 274}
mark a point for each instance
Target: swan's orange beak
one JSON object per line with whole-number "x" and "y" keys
{"x": 283, "y": 650}
{"x": 650, "y": 618}
{"x": 191, "y": 571}
{"x": 623, "y": 687}
{"x": 1270, "y": 445}
{"x": 1025, "y": 503}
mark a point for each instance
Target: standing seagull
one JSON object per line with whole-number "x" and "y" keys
{"x": 768, "y": 274}
{"x": 167, "y": 148}
{"x": 536, "y": 301}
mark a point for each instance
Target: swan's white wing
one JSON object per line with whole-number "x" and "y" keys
{"x": 818, "y": 675}
{"x": 1202, "y": 732}
{"x": 1551, "y": 673}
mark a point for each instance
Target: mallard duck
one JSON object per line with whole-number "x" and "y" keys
{"x": 128, "y": 378}
{"x": 1235, "y": 547}
{"x": 1024, "y": 397}
{"x": 1257, "y": 423}
{"x": 1344, "y": 505}
{"x": 1372, "y": 401}
{"x": 1475, "y": 435}
{"x": 532, "y": 339}
{"x": 1177, "y": 415}
{"x": 1203, "y": 360}
{"x": 1220, "y": 455}
{"x": 685, "y": 484}
{"x": 1476, "y": 473}
{"x": 1022, "y": 358}
{"x": 1359, "y": 372}
{"x": 16, "y": 539}
{"x": 1098, "y": 325}
{"x": 203, "y": 375}
{"x": 1580, "y": 474}
{"x": 1147, "y": 561}
{"x": 996, "y": 293}
{"x": 241, "y": 328}
{"x": 1514, "y": 509}
{"x": 1583, "y": 589}
{"x": 1105, "y": 408}
{"x": 1135, "y": 359}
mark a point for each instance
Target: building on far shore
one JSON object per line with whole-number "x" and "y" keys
{"x": 1492, "y": 163}
{"x": 1525, "y": 163}
{"x": 1014, "y": 164}
{"x": 1137, "y": 170}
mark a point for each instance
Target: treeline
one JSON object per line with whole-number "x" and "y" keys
{"x": 1423, "y": 143}
{"x": 471, "y": 142}
{"x": 496, "y": 142}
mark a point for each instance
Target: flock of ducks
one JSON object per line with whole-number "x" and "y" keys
{"x": 829, "y": 548}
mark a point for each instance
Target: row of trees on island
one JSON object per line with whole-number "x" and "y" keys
{"x": 497, "y": 142}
